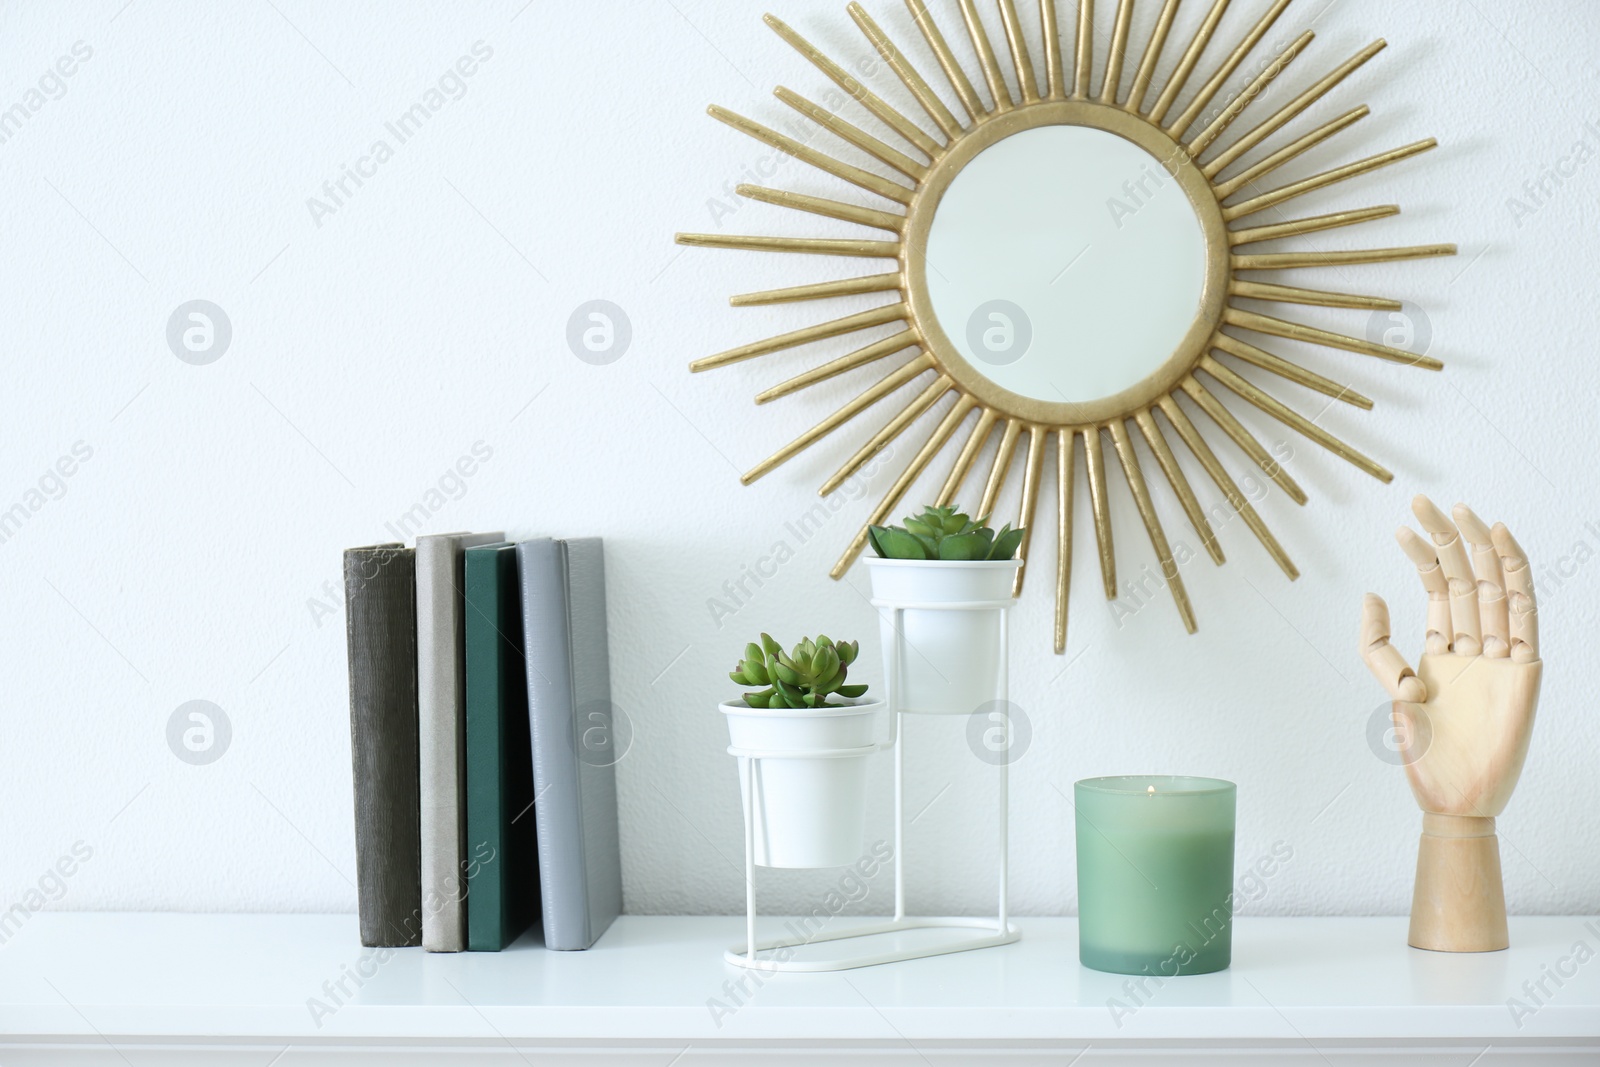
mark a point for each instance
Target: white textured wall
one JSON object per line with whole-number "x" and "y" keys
{"x": 374, "y": 347}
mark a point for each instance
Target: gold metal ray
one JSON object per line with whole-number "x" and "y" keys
{"x": 1243, "y": 438}
{"x": 1152, "y": 522}
{"x": 1033, "y": 471}
{"x": 834, "y": 328}
{"x": 930, "y": 448}
{"x": 864, "y": 179}
{"x": 1290, "y": 260}
{"x": 1186, "y": 65}
{"x": 852, "y": 134}
{"x": 1230, "y": 114}
{"x": 886, "y": 113}
{"x": 1180, "y": 484}
{"x": 964, "y": 460}
{"x": 859, "y": 358}
{"x": 1094, "y": 459}
{"x": 872, "y": 283}
{"x": 999, "y": 91}
{"x": 1083, "y": 69}
{"x": 1224, "y": 481}
{"x": 894, "y": 428}
{"x": 1152, "y": 56}
{"x": 1296, "y": 331}
{"x": 1020, "y": 59}
{"x": 1288, "y": 294}
{"x": 1240, "y": 53}
{"x": 1119, "y": 53}
{"x": 831, "y": 209}
{"x": 1315, "y": 224}
{"x": 1001, "y": 467}
{"x": 871, "y": 396}
{"x": 1291, "y": 151}
{"x": 1283, "y": 368}
{"x": 1325, "y": 179}
{"x": 811, "y": 246}
{"x": 953, "y": 71}
{"x": 906, "y": 72}
{"x": 1066, "y": 469}
{"x": 1266, "y": 402}
{"x": 1293, "y": 108}
{"x": 1054, "y": 68}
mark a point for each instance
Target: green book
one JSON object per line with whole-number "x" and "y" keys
{"x": 502, "y": 851}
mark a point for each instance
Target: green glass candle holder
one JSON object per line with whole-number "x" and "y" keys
{"x": 1155, "y": 874}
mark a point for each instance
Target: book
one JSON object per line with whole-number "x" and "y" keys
{"x": 502, "y": 849}
{"x": 441, "y": 730}
{"x": 572, "y": 720}
{"x": 381, "y": 642}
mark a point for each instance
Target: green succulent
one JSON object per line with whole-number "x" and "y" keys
{"x": 947, "y": 534}
{"x": 803, "y": 678}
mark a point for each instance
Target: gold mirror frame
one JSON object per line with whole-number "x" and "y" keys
{"x": 919, "y": 225}
{"x": 1192, "y": 152}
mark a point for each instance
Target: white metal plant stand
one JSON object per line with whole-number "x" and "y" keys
{"x": 986, "y": 932}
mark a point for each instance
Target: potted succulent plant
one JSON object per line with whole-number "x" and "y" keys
{"x": 949, "y": 658}
{"x": 813, "y": 734}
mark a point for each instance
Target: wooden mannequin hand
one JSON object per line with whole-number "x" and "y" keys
{"x": 1464, "y": 717}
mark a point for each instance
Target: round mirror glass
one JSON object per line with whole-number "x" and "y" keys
{"x": 1065, "y": 263}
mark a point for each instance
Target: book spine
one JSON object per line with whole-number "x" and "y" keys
{"x": 598, "y": 732}
{"x": 502, "y": 850}
{"x": 518, "y": 824}
{"x": 439, "y": 730}
{"x": 546, "y": 640}
{"x": 486, "y": 846}
{"x": 380, "y": 614}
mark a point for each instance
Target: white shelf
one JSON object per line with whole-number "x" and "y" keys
{"x": 135, "y": 988}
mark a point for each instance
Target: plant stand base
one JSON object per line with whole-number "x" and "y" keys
{"x": 972, "y": 934}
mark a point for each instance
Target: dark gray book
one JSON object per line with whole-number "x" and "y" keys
{"x": 380, "y": 585}
{"x": 441, "y": 730}
{"x": 573, "y": 724}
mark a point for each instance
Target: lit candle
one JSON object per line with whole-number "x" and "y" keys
{"x": 1155, "y": 874}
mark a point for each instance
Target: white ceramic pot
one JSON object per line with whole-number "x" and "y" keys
{"x": 809, "y": 811}
{"x": 950, "y": 660}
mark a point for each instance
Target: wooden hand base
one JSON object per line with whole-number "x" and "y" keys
{"x": 1459, "y": 904}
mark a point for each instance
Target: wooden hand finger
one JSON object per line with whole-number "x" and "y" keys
{"x": 1383, "y": 659}
{"x": 1493, "y": 610}
{"x": 1467, "y": 639}
{"x": 1522, "y": 605}
{"x": 1421, "y": 553}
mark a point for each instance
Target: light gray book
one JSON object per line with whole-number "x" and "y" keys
{"x": 441, "y": 734}
{"x": 574, "y": 733}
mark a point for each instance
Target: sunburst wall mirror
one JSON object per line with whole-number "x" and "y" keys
{"x": 1070, "y": 256}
